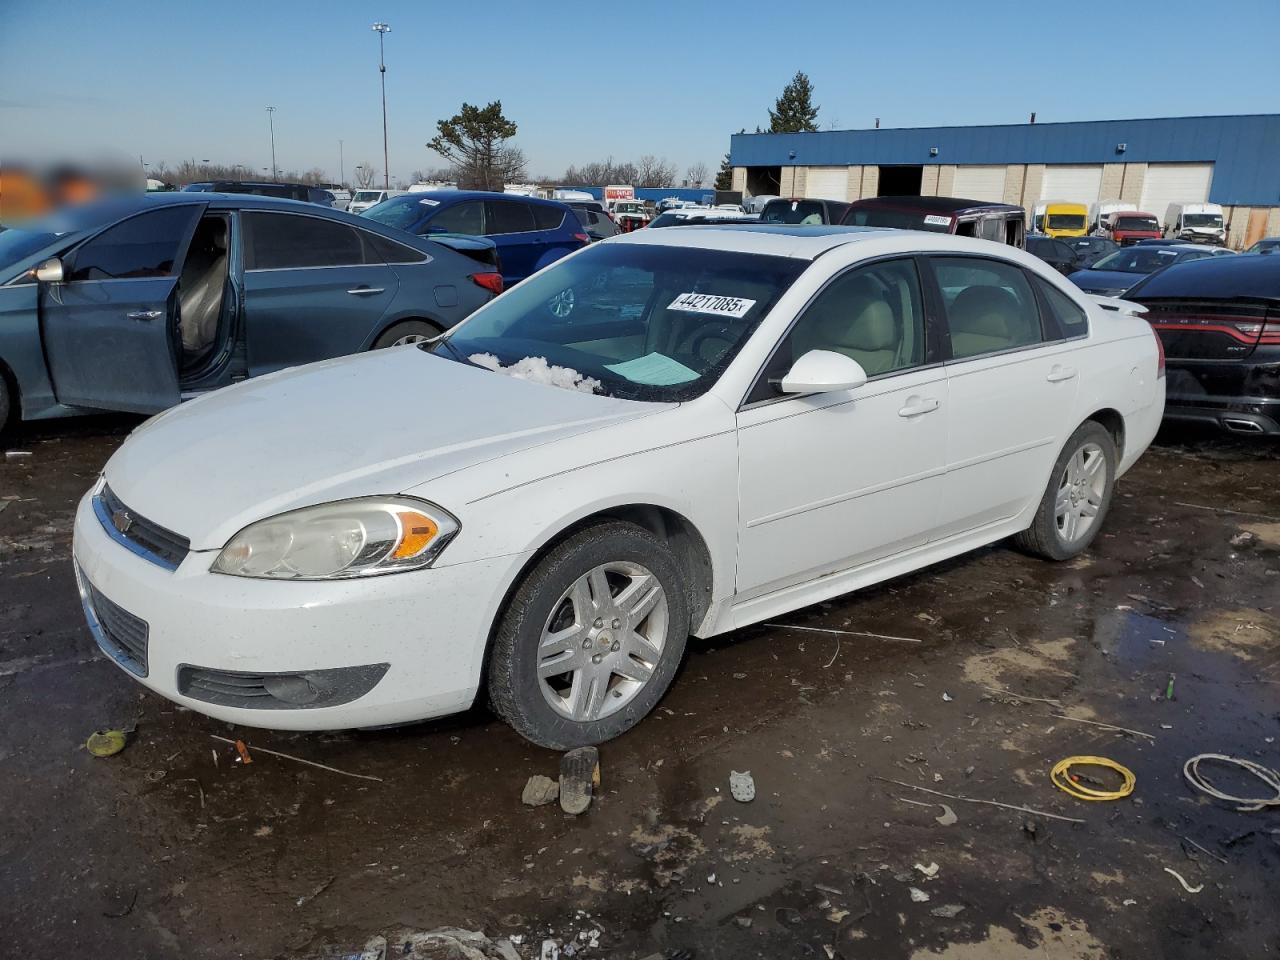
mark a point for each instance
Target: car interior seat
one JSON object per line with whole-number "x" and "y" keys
{"x": 988, "y": 318}
{"x": 201, "y": 289}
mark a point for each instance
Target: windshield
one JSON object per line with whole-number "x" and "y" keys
{"x": 401, "y": 212}
{"x": 636, "y": 321}
{"x": 366, "y": 196}
{"x": 898, "y": 219}
{"x": 1210, "y": 220}
{"x": 792, "y": 211}
{"x": 1066, "y": 221}
{"x": 1265, "y": 246}
{"x": 1137, "y": 260}
{"x": 1137, "y": 223}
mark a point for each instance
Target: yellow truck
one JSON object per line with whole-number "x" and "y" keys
{"x": 1061, "y": 219}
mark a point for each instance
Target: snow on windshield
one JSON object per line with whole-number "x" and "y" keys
{"x": 538, "y": 370}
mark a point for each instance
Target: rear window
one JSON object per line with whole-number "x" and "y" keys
{"x": 1137, "y": 223}
{"x": 1137, "y": 260}
{"x": 792, "y": 211}
{"x": 1226, "y": 278}
{"x": 549, "y": 218}
{"x": 898, "y": 219}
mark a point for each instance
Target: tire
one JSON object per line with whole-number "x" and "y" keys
{"x": 561, "y": 594}
{"x": 6, "y": 402}
{"x": 1063, "y": 527}
{"x": 406, "y": 331}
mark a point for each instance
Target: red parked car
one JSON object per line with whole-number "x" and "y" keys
{"x": 1132, "y": 225}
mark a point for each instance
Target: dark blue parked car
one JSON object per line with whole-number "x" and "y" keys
{"x": 530, "y": 233}
{"x": 135, "y": 303}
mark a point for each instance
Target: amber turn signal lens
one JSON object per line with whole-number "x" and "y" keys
{"x": 416, "y": 533}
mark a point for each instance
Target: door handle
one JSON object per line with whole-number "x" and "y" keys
{"x": 1060, "y": 373}
{"x": 917, "y": 406}
{"x": 145, "y": 315}
{"x": 365, "y": 291}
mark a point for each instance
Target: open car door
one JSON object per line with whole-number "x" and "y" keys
{"x": 110, "y": 327}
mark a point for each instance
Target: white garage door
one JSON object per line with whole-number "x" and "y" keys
{"x": 1065, "y": 183}
{"x": 1167, "y": 183}
{"x": 980, "y": 183}
{"x": 827, "y": 183}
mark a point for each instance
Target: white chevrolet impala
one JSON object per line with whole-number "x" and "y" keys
{"x": 675, "y": 432}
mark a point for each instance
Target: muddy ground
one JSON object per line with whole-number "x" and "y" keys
{"x": 172, "y": 848}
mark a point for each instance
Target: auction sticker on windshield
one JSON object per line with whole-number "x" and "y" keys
{"x": 736, "y": 307}
{"x": 935, "y": 221}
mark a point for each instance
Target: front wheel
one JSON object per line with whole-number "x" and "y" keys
{"x": 1078, "y": 496}
{"x": 591, "y": 639}
{"x": 407, "y": 331}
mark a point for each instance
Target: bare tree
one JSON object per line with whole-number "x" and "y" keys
{"x": 435, "y": 174}
{"x": 697, "y": 174}
{"x": 365, "y": 174}
{"x": 654, "y": 172}
{"x": 600, "y": 172}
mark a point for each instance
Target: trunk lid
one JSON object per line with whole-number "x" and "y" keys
{"x": 1210, "y": 329}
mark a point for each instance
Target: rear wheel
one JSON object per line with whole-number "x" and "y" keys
{"x": 1076, "y": 502}
{"x": 6, "y": 402}
{"x": 591, "y": 639}
{"x": 407, "y": 331}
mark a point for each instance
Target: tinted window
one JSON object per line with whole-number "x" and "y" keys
{"x": 467, "y": 218}
{"x": 277, "y": 241}
{"x": 903, "y": 219}
{"x": 509, "y": 216}
{"x": 547, "y": 218}
{"x": 388, "y": 251}
{"x": 1136, "y": 223}
{"x": 1066, "y": 318}
{"x": 792, "y": 211}
{"x": 872, "y": 314}
{"x": 1137, "y": 259}
{"x": 143, "y": 246}
{"x": 989, "y": 304}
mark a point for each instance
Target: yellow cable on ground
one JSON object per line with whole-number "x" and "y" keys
{"x": 1062, "y": 780}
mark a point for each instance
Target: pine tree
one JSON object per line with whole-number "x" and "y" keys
{"x": 794, "y": 111}
{"x": 724, "y": 176}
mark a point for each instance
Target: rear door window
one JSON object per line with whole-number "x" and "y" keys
{"x": 508, "y": 216}
{"x": 381, "y": 250}
{"x": 143, "y": 246}
{"x": 282, "y": 241}
{"x": 990, "y": 306}
{"x": 466, "y": 218}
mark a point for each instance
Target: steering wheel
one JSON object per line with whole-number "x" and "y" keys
{"x": 720, "y": 332}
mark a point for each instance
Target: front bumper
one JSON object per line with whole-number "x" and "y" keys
{"x": 1238, "y": 396}
{"x": 369, "y": 652}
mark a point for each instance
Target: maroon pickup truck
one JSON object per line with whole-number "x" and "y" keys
{"x": 1131, "y": 226}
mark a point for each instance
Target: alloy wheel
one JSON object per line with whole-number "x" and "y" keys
{"x": 1080, "y": 493}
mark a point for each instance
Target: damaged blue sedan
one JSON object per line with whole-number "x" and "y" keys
{"x": 136, "y": 303}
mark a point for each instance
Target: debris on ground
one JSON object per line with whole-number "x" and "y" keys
{"x": 742, "y": 786}
{"x": 540, "y": 791}
{"x": 579, "y": 774}
{"x": 1191, "y": 770}
{"x": 930, "y": 871}
{"x": 1185, "y": 886}
{"x": 918, "y": 895}
{"x": 1243, "y": 539}
{"x": 948, "y": 911}
{"x": 241, "y": 749}
{"x": 947, "y": 817}
{"x": 106, "y": 743}
{"x": 1075, "y": 784}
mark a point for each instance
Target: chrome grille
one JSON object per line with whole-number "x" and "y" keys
{"x": 145, "y": 538}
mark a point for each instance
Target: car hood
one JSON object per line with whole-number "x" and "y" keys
{"x": 376, "y": 423}
{"x": 1105, "y": 279}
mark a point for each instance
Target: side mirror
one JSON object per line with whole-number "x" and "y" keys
{"x": 50, "y": 271}
{"x": 823, "y": 371}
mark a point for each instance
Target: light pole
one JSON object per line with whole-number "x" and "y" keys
{"x": 382, "y": 29}
{"x": 271, "y": 122}
{"x": 342, "y": 177}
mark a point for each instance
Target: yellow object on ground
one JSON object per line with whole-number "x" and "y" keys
{"x": 1066, "y": 783}
{"x": 106, "y": 743}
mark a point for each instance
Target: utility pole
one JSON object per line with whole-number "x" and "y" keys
{"x": 382, "y": 29}
{"x": 342, "y": 177}
{"x": 271, "y": 121}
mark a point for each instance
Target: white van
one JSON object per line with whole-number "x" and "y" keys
{"x": 362, "y": 200}
{"x": 1102, "y": 215}
{"x": 1195, "y": 223}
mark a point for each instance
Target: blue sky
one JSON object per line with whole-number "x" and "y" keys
{"x": 585, "y": 80}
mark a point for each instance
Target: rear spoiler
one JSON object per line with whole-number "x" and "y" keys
{"x": 1118, "y": 305}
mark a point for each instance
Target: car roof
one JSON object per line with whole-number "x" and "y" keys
{"x": 444, "y": 195}
{"x": 1216, "y": 278}
{"x": 939, "y": 204}
{"x": 1134, "y": 213}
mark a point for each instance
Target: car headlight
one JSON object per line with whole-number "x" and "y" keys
{"x": 340, "y": 541}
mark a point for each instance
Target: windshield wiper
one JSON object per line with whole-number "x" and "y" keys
{"x": 453, "y": 351}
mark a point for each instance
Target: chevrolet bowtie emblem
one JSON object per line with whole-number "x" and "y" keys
{"x": 121, "y": 520}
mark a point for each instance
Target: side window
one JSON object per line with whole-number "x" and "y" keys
{"x": 142, "y": 246}
{"x": 383, "y": 250}
{"x": 990, "y": 306}
{"x": 281, "y": 241}
{"x": 508, "y": 216}
{"x": 966, "y": 228}
{"x": 873, "y": 314}
{"x": 547, "y": 218}
{"x": 1066, "y": 319}
{"x": 991, "y": 228}
{"x": 466, "y": 218}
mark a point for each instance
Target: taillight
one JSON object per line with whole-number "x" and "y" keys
{"x": 490, "y": 281}
{"x": 1159, "y": 354}
{"x": 1270, "y": 332}
{"x": 582, "y": 238}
